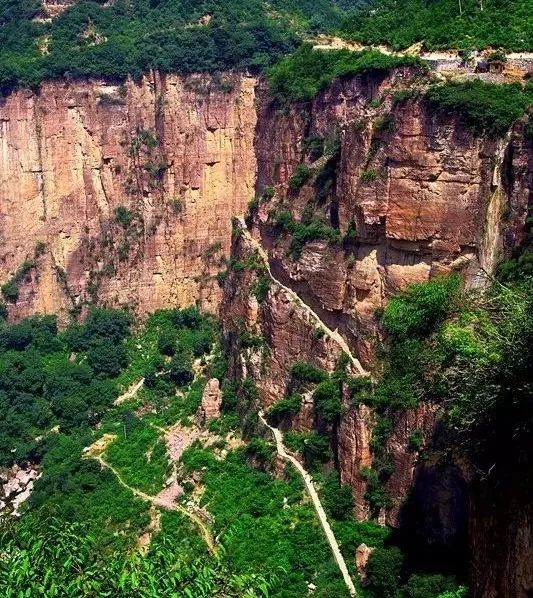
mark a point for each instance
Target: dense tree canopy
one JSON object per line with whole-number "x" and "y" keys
{"x": 128, "y": 37}
{"x": 458, "y": 24}
{"x": 132, "y": 36}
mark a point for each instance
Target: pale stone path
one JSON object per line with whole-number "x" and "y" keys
{"x": 164, "y": 500}
{"x": 308, "y": 480}
{"x": 333, "y": 334}
{"x": 130, "y": 392}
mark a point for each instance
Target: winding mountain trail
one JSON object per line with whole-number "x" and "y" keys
{"x": 333, "y": 334}
{"x": 130, "y": 392}
{"x": 163, "y": 500}
{"x": 308, "y": 480}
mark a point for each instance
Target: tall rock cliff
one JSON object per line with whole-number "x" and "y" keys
{"x": 124, "y": 195}
{"x": 131, "y": 187}
{"x": 360, "y": 193}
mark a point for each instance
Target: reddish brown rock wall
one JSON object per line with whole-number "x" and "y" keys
{"x": 74, "y": 152}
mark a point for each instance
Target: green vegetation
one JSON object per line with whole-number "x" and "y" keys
{"x": 93, "y": 38}
{"x": 411, "y": 372}
{"x": 255, "y": 512}
{"x": 180, "y": 334}
{"x": 301, "y": 175}
{"x": 369, "y": 176}
{"x": 311, "y": 228}
{"x": 261, "y": 286}
{"x": 54, "y": 558}
{"x": 307, "y": 372}
{"x": 124, "y": 216}
{"x": 119, "y": 39}
{"x": 304, "y": 73}
{"x": 485, "y": 107}
{"x": 285, "y": 407}
{"x": 51, "y": 400}
{"x": 79, "y": 490}
{"x": 444, "y": 24}
{"x": 421, "y": 308}
{"x": 327, "y": 398}
{"x": 10, "y": 289}
{"x": 314, "y": 447}
{"x": 428, "y": 586}
{"x": 140, "y": 455}
{"x": 40, "y": 387}
{"x": 415, "y": 440}
{"x": 337, "y": 498}
{"x": 383, "y": 570}
{"x": 469, "y": 352}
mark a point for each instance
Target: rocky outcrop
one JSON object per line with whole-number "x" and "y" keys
{"x": 412, "y": 194}
{"x": 175, "y": 155}
{"x": 419, "y": 193}
{"x": 16, "y": 485}
{"x": 211, "y": 402}
{"x": 272, "y": 333}
{"x": 362, "y": 554}
{"x": 354, "y": 453}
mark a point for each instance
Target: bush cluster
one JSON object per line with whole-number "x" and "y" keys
{"x": 307, "y": 71}
{"x": 485, "y": 107}
{"x": 311, "y": 228}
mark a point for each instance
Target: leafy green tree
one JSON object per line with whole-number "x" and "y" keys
{"x": 180, "y": 369}
{"x": 383, "y": 570}
{"x": 106, "y": 358}
{"x": 167, "y": 342}
{"x": 327, "y": 398}
{"x": 338, "y": 499}
{"x": 53, "y": 557}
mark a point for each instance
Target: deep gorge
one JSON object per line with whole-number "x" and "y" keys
{"x": 123, "y": 195}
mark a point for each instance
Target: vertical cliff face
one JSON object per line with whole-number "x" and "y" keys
{"x": 124, "y": 195}
{"x": 500, "y": 531}
{"x": 359, "y": 195}
{"x": 406, "y": 194}
{"x": 174, "y": 155}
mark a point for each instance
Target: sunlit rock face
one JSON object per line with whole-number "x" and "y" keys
{"x": 175, "y": 155}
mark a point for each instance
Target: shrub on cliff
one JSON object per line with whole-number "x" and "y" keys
{"x": 421, "y": 307}
{"x": 485, "y": 107}
{"x": 307, "y": 372}
{"x": 313, "y": 446}
{"x": 301, "y": 174}
{"x": 284, "y": 408}
{"x": 337, "y": 497}
{"x": 327, "y": 398}
{"x": 10, "y": 289}
{"x": 307, "y": 71}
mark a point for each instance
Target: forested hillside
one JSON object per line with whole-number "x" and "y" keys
{"x": 128, "y": 37}
{"x": 325, "y": 394}
{"x": 460, "y": 24}
{"x": 132, "y": 36}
